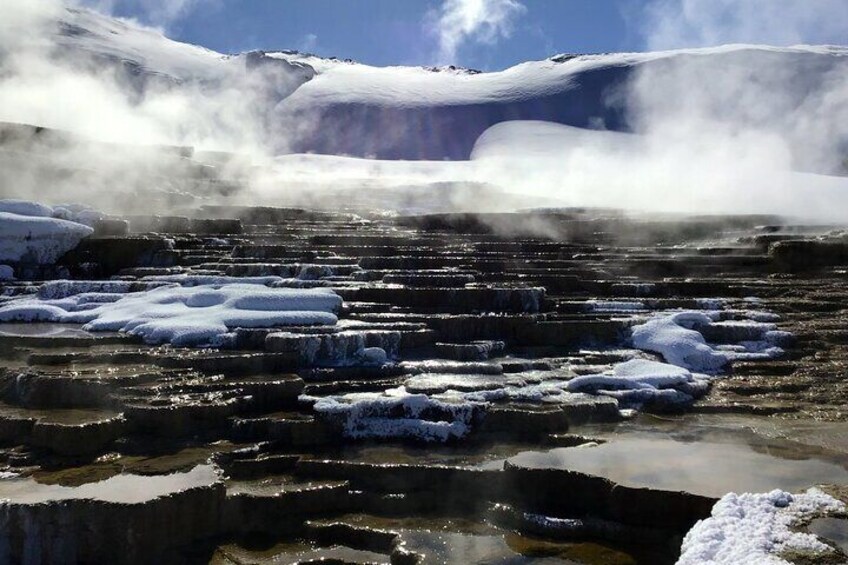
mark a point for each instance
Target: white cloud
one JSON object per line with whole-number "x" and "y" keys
{"x": 308, "y": 44}
{"x": 668, "y": 24}
{"x": 457, "y": 22}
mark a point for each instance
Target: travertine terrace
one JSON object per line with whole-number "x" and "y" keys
{"x": 221, "y": 453}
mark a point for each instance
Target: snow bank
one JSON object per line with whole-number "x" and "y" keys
{"x": 6, "y": 273}
{"x": 756, "y": 528}
{"x": 183, "y": 316}
{"x": 37, "y": 239}
{"x": 398, "y": 414}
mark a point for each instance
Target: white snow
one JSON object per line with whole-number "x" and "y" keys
{"x": 183, "y": 316}
{"x": 635, "y": 373}
{"x": 711, "y": 303}
{"x": 396, "y": 413}
{"x": 756, "y": 528}
{"x": 37, "y": 239}
{"x": 32, "y": 232}
{"x": 554, "y": 146}
{"x": 127, "y": 40}
{"x": 614, "y": 306}
{"x": 637, "y": 381}
{"x": 676, "y": 338}
{"x": 78, "y": 213}
{"x": 25, "y": 208}
{"x": 65, "y": 288}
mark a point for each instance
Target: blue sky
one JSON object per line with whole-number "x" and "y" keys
{"x": 494, "y": 34}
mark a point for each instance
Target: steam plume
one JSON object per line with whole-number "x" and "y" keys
{"x": 484, "y": 21}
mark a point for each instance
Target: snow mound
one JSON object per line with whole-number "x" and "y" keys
{"x": 635, "y": 373}
{"x": 756, "y": 528}
{"x": 640, "y": 381}
{"x": 678, "y": 338}
{"x": 6, "y": 273}
{"x": 183, "y": 316}
{"x": 37, "y": 239}
{"x": 398, "y": 414}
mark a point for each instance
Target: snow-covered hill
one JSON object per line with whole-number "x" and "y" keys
{"x": 423, "y": 114}
{"x": 719, "y": 129}
{"x": 336, "y": 107}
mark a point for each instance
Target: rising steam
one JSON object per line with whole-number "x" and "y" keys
{"x": 482, "y": 21}
{"x": 726, "y": 130}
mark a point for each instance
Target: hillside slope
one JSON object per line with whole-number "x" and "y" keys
{"x": 302, "y": 103}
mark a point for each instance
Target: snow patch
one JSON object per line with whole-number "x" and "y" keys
{"x": 676, "y": 338}
{"x": 756, "y": 528}
{"x": 183, "y": 316}
{"x": 639, "y": 381}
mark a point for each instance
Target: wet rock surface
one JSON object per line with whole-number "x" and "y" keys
{"x": 404, "y": 429}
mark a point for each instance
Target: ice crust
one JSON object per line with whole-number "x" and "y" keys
{"x": 397, "y": 413}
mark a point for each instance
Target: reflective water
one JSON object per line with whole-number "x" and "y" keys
{"x": 57, "y": 416}
{"x": 835, "y": 530}
{"x": 293, "y": 552}
{"x": 462, "y": 456}
{"x": 45, "y": 330}
{"x": 708, "y": 456}
{"x": 458, "y": 548}
{"x": 124, "y": 488}
{"x": 460, "y": 542}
